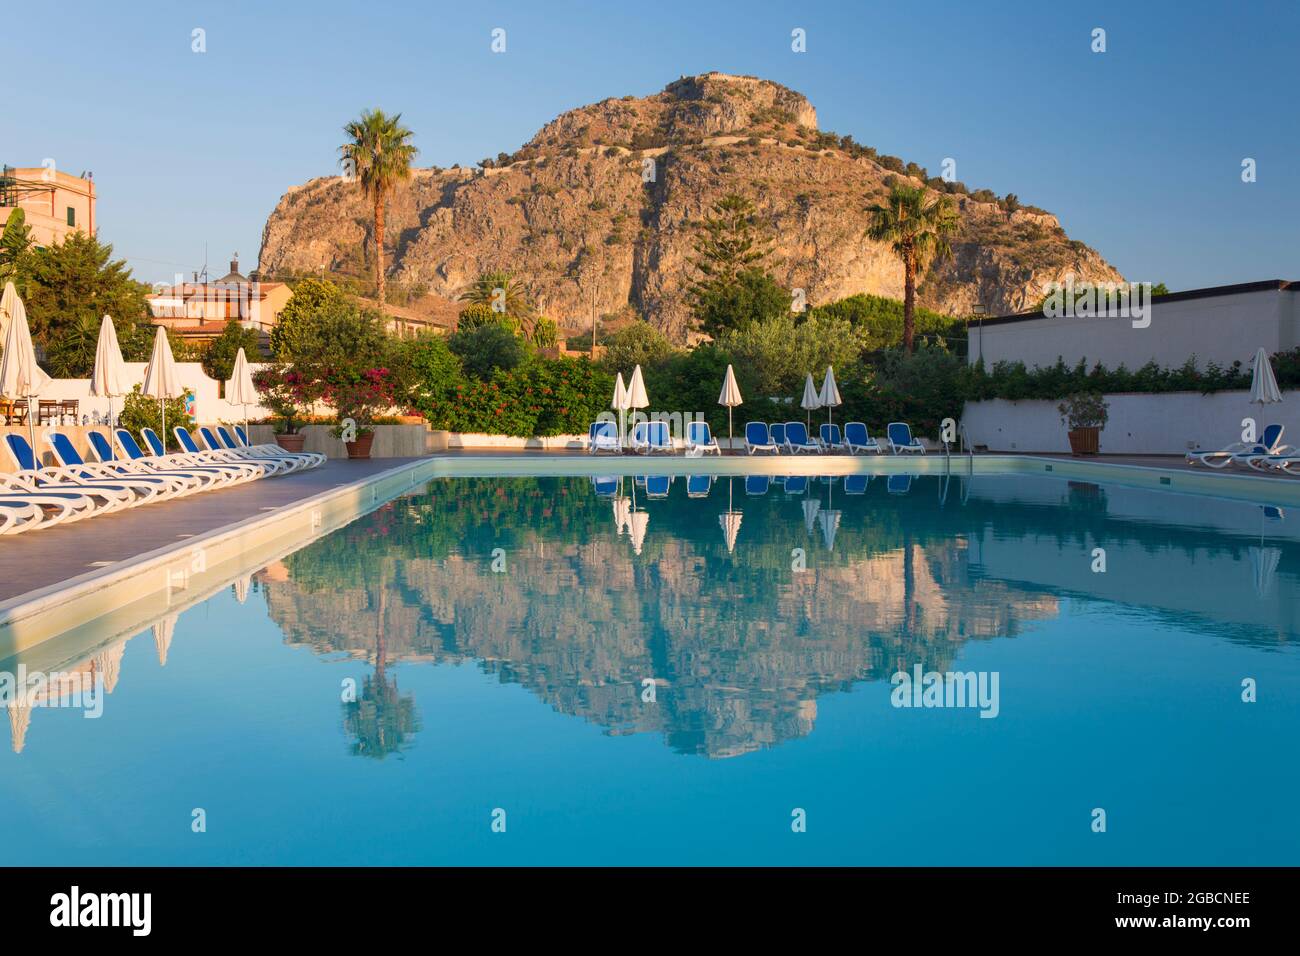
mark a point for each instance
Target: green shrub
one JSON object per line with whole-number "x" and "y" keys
{"x": 139, "y": 412}
{"x": 637, "y": 344}
{"x": 487, "y": 349}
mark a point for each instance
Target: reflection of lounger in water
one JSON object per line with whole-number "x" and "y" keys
{"x": 656, "y": 486}
{"x": 796, "y": 484}
{"x": 899, "y": 484}
{"x": 757, "y": 484}
{"x": 697, "y": 486}
{"x": 857, "y": 484}
{"x": 606, "y": 485}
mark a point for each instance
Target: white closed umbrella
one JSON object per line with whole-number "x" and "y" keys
{"x": 239, "y": 387}
{"x": 811, "y": 508}
{"x": 730, "y": 398}
{"x": 619, "y": 404}
{"x": 8, "y": 302}
{"x": 161, "y": 378}
{"x": 1263, "y": 385}
{"x": 811, "y": 398}
{"x": 109, "y": 378}
{"x": 636, "y": 396}
{"x": 20, "y": 376}
{"x": 830, "y": 394}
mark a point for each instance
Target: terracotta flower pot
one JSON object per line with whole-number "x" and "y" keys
{"x": 291, "y": 442}
{"x": 361, "y": 447}
{"x": 1085, "y": 441}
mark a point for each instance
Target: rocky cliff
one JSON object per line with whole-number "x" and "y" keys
{"x": 597, "y": 212}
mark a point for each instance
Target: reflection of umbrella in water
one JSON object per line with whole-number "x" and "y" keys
{"x": 829, "y": 519}
{"x": 163, "y": 632}
{"x": 242, "y": 587}
{"x": 108, "y": 665}
{"x": 729, "y": 521}
{"x": 636, "y": 527}
{"x": 20, "y": 718}
{"x": 622, "y": 512}
{"x": 811, "y": 507}
{"x": 1264, "y": 563}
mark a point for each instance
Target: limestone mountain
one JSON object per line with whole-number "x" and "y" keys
{"x": 598, "y": 212}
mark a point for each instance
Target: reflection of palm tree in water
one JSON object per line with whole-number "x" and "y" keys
{"x": 382, "y": 718}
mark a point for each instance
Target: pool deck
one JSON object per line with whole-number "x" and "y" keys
{"x": 29, "y": 562}
{"x": 48, "y": 556}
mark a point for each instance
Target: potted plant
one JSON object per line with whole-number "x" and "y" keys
{"x": 358, "y": 394}
{"x": 288, "y": 393}
{"x": 1085, "y": 415}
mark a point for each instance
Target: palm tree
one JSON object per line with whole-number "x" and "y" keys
{"x": 381, "y": 157}
{"x": 917, "y": 231}
{"x": 502, "y": 293}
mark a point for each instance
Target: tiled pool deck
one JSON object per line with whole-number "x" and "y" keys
{"x": 40, "y": 559}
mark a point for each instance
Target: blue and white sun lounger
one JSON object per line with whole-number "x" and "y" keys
{"x": 606, "y": 485}
{"x": 757, "y": 484}
{"x": 901, "y": 441}
{"x": 651, "y": 437}
{"x": 758, "y": 438}
{"x": 603, "y": 436}
{"x": 857, "y": 439}
{"x": 1255, "y": 454}
{"x": 656, "y": 486}
{"x": 829, "y": 434}
{"x": 699, "y": 440}
{"x": 778, "y": 435}
{"x": 797, "y": 440}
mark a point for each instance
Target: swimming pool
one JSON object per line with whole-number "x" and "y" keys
{"x": 569, "y": 669}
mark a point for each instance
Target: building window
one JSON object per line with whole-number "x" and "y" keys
{"x": 72, "y": 216}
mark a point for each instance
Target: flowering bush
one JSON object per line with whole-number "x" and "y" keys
{"x": 358, "y": 394}
{"x": 288, "y": 392}
{"x": 541, "y": 397}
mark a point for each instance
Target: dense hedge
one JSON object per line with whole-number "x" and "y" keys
{"x": 1015, "y": 382}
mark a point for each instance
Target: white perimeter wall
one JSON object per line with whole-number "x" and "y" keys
{"x": 1221, "y": 328}
{"x": 207, "y": 406}
{"x": 1168, "y": 424}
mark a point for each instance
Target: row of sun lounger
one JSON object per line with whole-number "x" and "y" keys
{"x": 38, "y": 496}
{"x": 1267, "y": 454}
{"x": 699, "y": 486}
{"x": 788, "y": 437}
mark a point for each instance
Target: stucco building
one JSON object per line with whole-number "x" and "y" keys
{"x": 56, "y": 204}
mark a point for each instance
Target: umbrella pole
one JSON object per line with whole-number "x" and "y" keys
{"x": 31, "y": 433}
{"x": 731, "y": 438}
{"x": 162, "y": 407}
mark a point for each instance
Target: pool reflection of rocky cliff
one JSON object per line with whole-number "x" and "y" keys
{"x": 759, "y": 624}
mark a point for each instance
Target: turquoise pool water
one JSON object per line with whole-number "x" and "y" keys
{"x": 500, "y": 634}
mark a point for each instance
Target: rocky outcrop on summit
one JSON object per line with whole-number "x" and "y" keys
{"x": 597, "y": 211}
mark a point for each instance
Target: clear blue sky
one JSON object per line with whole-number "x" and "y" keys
{"x": 1138, "y": 150}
